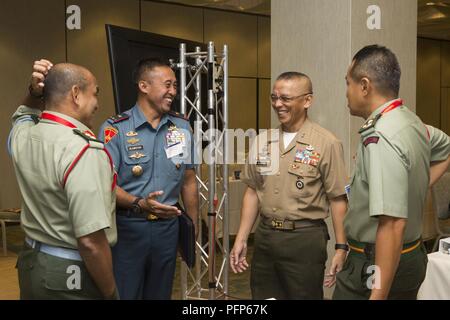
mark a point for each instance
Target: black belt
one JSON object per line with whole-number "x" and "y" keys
{"x": 289, "y": 225}
{"x": 131, "y": 214}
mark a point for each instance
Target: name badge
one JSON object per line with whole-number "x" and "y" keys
{"x": 174, "y": 150}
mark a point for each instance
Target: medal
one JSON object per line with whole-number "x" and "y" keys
{"x": 131, "y": 134}
{"x": 133, "y": 141}
{"x": 136, "y": 155}
{"x": 137, "y": 170}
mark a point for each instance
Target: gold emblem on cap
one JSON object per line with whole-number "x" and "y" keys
{"x": 137, "y": 155}
{"x": 137, "y": 170}
{"x": 131, "y": 134}
{"x": 133, "y": 141}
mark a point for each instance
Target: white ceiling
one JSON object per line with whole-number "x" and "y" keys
{"x": 433, "y": 16}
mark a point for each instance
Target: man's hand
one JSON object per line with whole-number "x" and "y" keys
{"x": 158, "y": 209}
{"x": 40, "y": 71}
{"x": 238, "y": 261}
{"x": 336, "y": 266}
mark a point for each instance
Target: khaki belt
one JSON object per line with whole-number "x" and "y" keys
{"x": 369, "y": 248}
{"x": 289, "y": 225}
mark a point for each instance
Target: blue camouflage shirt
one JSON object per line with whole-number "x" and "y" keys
{"x": 149, "y": 159}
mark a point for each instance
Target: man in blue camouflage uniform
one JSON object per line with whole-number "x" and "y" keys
{"x": 151, "y": 148}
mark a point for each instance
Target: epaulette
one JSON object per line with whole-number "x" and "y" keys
{"x": 119, "y": 117}
{"x": 178, "y": 115}
{"x": 86, "y": 136}
{"x": 370, "y": 123}
{"x": 35, "y": 118}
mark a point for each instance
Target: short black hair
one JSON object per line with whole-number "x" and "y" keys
{"x": 294, "y": 75}
{"x": 381, "y": 66}
{"x": 145, "y": 65}
{"x": 60, "y": 80}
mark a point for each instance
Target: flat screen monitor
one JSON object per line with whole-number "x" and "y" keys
{"x": 126, "y": 47}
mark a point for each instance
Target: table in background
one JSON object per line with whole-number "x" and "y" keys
{"x": 436, "y": 285}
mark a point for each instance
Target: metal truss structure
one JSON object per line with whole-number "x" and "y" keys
{"x": 213, "y": 187}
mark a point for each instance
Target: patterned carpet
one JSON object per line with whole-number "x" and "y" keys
{"x": 239, "y": 284}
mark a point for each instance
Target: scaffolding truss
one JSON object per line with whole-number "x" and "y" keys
{"x": 213, "y": 186}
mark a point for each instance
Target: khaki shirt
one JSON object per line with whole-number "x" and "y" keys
{"x": 311, "y": 172}
{"x": 391, "y": 175}
{"x": 53, "y": 211}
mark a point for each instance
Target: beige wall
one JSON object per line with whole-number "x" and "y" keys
{"x": 29, "y": 30}
{"x": 34, "y": 29}
{"x": 433, "y": 82}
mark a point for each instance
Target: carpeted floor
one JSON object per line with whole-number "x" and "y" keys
{"x": 239, "y": 285}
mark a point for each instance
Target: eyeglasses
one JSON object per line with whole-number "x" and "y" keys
{"x": 285, "y": 99}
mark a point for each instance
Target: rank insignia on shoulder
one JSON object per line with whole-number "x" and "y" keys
{"x": 370, "y": 123}
{"x": 86, "y": 136}
{"x": 370, "y": 140}
{"x": 119, "y": 117}
{"x": 110, "y": 132}
{"x": 178, "y": 115}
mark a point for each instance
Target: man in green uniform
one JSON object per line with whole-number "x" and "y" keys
{"x": 387, "y": 192}
{"x": 67, "y": 183}
{"x": 293, "y": 200}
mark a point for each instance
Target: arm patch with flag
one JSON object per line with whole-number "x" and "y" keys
{"x": 109, "y": 133}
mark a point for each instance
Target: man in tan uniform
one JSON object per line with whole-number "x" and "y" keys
{"x": 387, "y": 192}
{"x": 290, "y": 241}
{"x": 67, "y": 183}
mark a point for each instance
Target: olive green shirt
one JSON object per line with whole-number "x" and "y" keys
{"x": 309, "y": 173}
{"x": 58, "y": 207}
{"x": 392, "y": 172}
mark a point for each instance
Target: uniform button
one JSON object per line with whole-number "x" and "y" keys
{"x": 278, "y": 174}
{"x": 274, "y": 209}
{"x": 282, "y": 156}
{"x": 276, "y": 191}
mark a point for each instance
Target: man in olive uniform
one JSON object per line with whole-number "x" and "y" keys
{"x": 67, "y": 184}
{"x": 151, "y": 148}
{"x": 387, "y": 192}
{"x": 291, "y": 239}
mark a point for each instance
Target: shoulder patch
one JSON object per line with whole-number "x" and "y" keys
{"x": 109, "y": 133}
{"x": 119, "y": 118}
{"x": 178, "y": 115}
{"x": 370, "y": 123}
{"x": 86, "y": 136}
{"x": 370, "y": 140}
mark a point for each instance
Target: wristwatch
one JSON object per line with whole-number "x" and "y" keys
{"x": 136, "y": 208}
{"x": 342, "y": 246}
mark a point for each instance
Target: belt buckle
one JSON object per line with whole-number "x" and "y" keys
{"x": 277, "y": 224}
{"x": 151, "y": 217}
{"x": 369, "y": 250}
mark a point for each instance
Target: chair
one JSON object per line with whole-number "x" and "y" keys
{"x": 441, "y": 199}
{"x": 8, "y": 215}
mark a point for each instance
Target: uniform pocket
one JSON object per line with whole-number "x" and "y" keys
{"x": 301, "y": 179}
{"x": 64, "y": 275}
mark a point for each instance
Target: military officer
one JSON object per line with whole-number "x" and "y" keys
{"x": 387, "y": 192}
{"x": 151, "y": 147}
{"x": 66, "y": 180}
{"x": 291, "y": 239}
